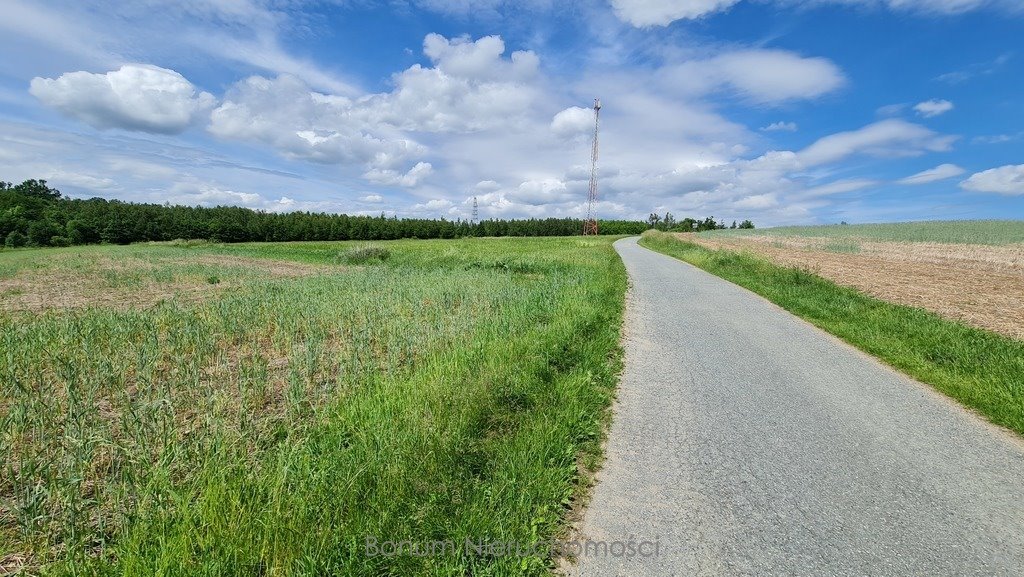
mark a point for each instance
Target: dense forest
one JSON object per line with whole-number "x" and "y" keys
{"x": 34, "y": 214}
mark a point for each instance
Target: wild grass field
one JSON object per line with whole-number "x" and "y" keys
{"x": 980, "y": 368}
{"x": 266, "y": 409}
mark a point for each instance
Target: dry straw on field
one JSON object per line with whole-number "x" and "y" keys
{"x": 76, "y": 280}
{"x": 977, "y": 284}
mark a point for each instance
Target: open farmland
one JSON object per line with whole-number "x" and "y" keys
{"x": 971, "y": 271}
{"x": 266, "y": 409}
{"x": 987, "y": 232}
{"x": 979, "y": 368}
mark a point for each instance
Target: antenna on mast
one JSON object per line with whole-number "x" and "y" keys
{"x": 476, "y": 212}
{"x": 590, "y": 224}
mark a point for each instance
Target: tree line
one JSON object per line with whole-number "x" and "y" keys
{"x": 670, "y": 224}
{"x": 34, "y": 214}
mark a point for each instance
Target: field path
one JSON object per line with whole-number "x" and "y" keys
{"x": 747, "y": 442}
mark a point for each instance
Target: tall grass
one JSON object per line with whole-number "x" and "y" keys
{"x": 983, "y": 370}
{"x": 988, "y": 232}
{"x": 450, "y": 392}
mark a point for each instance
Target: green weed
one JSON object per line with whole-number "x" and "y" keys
{"x": 274, "y": 430}
{"x": 365, "y": 254}
{"x": 843, "y": 247}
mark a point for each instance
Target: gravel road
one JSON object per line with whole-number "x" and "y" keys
{"x": 747, "y": 442}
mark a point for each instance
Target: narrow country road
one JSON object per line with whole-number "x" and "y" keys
{"x": 747, "y": 442}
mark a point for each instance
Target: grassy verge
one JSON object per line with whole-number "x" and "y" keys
{"x": 980, "y": 369}
{"x": 449, "y": 391}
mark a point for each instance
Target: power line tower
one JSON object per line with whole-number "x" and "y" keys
{"x": 590, "y": 224}
{"x": 476, "y": 212}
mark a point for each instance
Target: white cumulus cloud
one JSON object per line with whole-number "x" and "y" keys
{"x": 480, "y": 59}
{"x": 1007, "y": 180}
{"x": 930, "y": 108}
{"x": 135, "y": 97}
{"x": 941, "y": 172}
{"x": 194, "y": 192}
{"x": 838, "y": 187}
{"x": 433, "y": 207}
{"x": 541, "y": 192}
{"x": 780, "y": 127}
{"x": 641, "y": 13}
{"x": 762, "y": 76}
{"x": 937, "y": 6}
{"x": 299, "y": 123}
{"x": 888, "y": 138}
{"x": 573, "y": 121}
{"x": 413, "y": 177}
{"x": 471, "y": 87}
{"x": 756, "y": 202}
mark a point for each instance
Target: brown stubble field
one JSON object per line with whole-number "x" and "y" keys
{"x": 77, "y": 279}
{"x": 980, "y": 285}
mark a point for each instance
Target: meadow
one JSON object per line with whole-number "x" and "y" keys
{"x": 205, "y": 409}
{"x": 980, "y": 368}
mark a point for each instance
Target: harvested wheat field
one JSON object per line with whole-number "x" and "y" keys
{"x": 981, "y": 285}
{"x": 136, "y": 277}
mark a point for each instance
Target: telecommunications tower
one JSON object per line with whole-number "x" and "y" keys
{"x": 590, "y": 224}
{"x": 476, "y": 212}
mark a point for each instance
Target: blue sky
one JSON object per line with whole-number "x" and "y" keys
{"x": 775, "y": 110}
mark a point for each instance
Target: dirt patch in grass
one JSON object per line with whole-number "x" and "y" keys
{"x": 13, "y": 564}
{"x": 982, "y": 286}
{"x": 275, "y": 268}
{"x": 77, "y": 281}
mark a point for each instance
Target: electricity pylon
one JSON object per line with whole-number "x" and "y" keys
{"x": 590, "y": 224}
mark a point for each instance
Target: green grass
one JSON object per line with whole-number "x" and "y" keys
{"x": 988, "y": 232}
{"x": 365, "y": 254}
{"x": 451, "y": 391}
{"x": 842, "y": 247}
{"x": 980, "y": 369}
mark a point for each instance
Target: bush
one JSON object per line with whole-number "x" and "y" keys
{"x": 16, "y": 240}
{"x": 60, "y": 241}
{"x": 181, "y": 242}
{"x": 508, "y": 266}
{"x": 40, "y": 233}
{"x": 364, "y": 254}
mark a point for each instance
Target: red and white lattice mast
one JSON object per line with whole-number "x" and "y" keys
{"x": 590, "y": 224}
